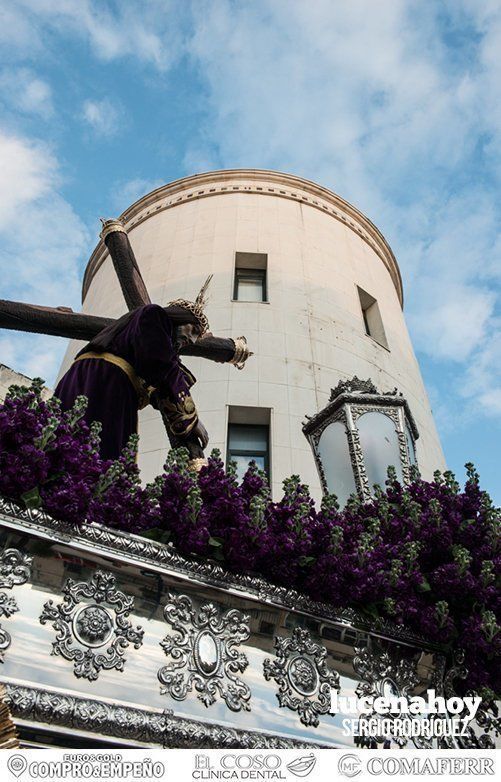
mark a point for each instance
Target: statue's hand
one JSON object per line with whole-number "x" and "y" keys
{"x": 200, "y": 433}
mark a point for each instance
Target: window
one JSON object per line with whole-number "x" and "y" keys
{"x": 250, "y": 285}
{"x": 250, "y": 277}
{"x": 268, "y": 628}
{"x": 331, "y": 633}
{"x": 249, "y": 438}
{"x": 372, "y": 318}
{"x": 247, "y": 443}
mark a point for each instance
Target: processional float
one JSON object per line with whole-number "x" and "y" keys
{"x": 110, "y": 639}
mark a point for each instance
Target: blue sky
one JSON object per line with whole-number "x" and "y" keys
{"x": 393, "y": 104}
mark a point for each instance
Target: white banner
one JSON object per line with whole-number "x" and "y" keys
{"x": 184, "y": 765}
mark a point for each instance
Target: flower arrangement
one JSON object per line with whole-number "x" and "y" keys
{"x": 426, "y": 554}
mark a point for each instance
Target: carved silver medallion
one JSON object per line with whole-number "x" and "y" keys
{"x": 204, "y": 653}
{"x": 91, "y": 625}
{"x": 15, "y": 569}
{"x": 303, "y": 678}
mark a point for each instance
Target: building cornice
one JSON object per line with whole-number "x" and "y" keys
{"x": 252, "y": 181}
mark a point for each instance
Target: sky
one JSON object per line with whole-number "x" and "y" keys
{"x": 393, "y": 104}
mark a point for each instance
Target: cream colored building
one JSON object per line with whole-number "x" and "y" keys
{"x": 9, "y": 377}
{"x": 305, "y": 276}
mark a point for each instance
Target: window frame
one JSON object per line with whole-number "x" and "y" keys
{"x": 371, "y": 316}
{"x": 242, "y": 273}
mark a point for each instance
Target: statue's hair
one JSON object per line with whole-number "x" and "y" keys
{"x": 197, "y": 307}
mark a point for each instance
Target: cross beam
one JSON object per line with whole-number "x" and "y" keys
{"x": 117, "y": 241}
{"x": 63, "y": 322}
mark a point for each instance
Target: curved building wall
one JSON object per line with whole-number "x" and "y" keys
{"x": 308, "y": 335}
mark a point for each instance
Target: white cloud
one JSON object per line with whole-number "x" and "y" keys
{"x": 24, "y": 90}
{"x": 451, "y": 320}
{"x": 375, "y": 101}
{"x": 103, "y": 116}
{"x": 34, "y": 355}
{"x": 29, "y": 171}
{"x": 17, "y": 30}
{"x": 126, "y": 193}
{"x": 393, "y": 104}
{"x": 148, "y": 30}
{"x": 452, "y": 261}
{"x": 42, "y": 244}
{"x": 483, "y": 376}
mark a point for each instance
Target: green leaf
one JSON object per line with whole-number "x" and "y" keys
{"x": 371, "y": 610}
{"x": 215, "y": 542}
{"x": 424, "y": 586}
{"x": 157, "y": 534}
{"x": 32, "y": 498}
{"x": 218, "y": 555}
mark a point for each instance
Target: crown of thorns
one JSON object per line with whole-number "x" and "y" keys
{"x": 197, "y": 307}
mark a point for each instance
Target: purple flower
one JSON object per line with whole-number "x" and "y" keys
{"x": 425, "y": 555}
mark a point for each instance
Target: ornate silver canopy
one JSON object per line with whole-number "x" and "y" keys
{"x": 358, "y": 435}
{"x": 235, "y": 641}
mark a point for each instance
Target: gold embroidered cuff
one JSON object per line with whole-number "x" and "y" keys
{"x": 197, "y": 464}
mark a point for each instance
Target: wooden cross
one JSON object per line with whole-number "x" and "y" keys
{"x": 63, "y": 322}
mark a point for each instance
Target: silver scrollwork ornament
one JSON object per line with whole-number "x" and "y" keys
{"x": 204, "y": 653}
{"x": 303, "y": 678}
{"x": 5, "y": 642}
{"x": 137, "y": 725}
{"x": 91, "y": 625}
{"x": 485, "y": 727}
{"x": 382, "y": 675}
{"x": 15, "y": 570}
{"x": 131, "y": 548}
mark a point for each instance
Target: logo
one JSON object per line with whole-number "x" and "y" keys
{"x": 239, "y": 765}
{"x": 16, "y": 765}
{"x": 349, "y": 765}
{"x": 86, "y": 766}
{"x": 302, "y": 766}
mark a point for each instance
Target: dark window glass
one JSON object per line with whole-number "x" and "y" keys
{"x": 331, "y": 633}
{"x": 247, "y": 443}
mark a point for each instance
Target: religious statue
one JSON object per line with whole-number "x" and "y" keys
{"x": 133, "y": 361}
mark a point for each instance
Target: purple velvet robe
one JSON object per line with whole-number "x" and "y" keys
{"x": 146, "y": 342}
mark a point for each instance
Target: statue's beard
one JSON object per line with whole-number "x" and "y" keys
{"x": 180, "y": 342}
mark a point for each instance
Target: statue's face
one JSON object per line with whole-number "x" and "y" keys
{"x": 185, "y": 334}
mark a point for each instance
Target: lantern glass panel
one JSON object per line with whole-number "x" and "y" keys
{"x": 380, "y": 446}
{"x": 335, "y": 457}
